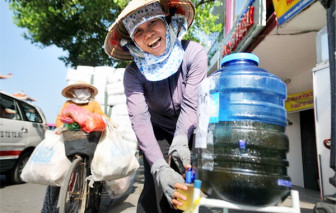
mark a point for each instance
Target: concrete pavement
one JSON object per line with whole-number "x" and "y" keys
{"x": 28, "y": 198}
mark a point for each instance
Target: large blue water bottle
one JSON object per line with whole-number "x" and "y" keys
{"x": 245, "y": 159}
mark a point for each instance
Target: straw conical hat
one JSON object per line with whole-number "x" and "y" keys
{"x": 118, "y": 31}
{"x": 67, "y": 93}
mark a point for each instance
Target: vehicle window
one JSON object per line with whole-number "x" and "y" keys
{"x": 31, "y": 113}
{"x": 8, "y": 108}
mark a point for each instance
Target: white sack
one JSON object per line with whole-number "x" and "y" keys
{"x": 48, "y": 163}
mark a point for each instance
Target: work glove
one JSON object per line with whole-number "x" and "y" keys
{"x": 166, "y": 178}
{"x": 180, "y": 152}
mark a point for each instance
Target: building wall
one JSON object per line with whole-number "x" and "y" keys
{"x": 294, "y": 156}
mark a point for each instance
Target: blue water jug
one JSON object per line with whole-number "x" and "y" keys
{"x": 245, "y": 159}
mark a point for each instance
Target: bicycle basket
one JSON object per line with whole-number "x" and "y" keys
{"x": 80, "y": 142}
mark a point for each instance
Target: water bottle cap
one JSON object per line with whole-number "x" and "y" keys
{"x": 197, "y": 184}
{"x": 235, "y": 56}
{"x": 190, "y": 175}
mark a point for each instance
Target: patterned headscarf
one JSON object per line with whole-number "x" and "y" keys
{"x": 151, "y": 11}
{"x": 156, "y": 68}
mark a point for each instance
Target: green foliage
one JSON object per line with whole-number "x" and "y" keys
{"x": 79, "y": 27}
{"x": 204, "y": 22}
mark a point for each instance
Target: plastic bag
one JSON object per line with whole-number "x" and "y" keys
{"x": 94, "y": 122}
{"x": 74, "y": 114}
{"x": 114, "y": 157}
{"x": 48, "y": 164}
{"x": 88, "y": 121}
{"x": 117, "y": 187}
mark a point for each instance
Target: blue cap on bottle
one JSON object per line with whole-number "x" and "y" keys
{"x": 190, "y": 175}
{"x": 197, "y": 184}
{"x": 237, "y": 56}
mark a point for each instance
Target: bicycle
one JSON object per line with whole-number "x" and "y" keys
{"x": 76, "y": 196}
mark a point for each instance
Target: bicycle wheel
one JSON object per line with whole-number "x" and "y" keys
{"x": 73, "y": 193}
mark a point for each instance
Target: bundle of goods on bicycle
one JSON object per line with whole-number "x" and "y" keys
{"x": 112, "y": 156}
{"x": 88, "y": 122}
{"x": 81, "y": 131}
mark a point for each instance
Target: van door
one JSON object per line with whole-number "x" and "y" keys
{"x": 13, "y": 132}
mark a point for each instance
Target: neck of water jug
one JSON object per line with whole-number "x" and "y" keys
{"x": 240, "y": 62}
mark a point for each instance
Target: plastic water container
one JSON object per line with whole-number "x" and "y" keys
{"x": 245, "y": 159}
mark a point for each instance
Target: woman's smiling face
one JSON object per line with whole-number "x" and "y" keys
{"x": 151, "y": 36}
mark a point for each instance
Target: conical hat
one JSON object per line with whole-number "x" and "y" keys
{"x": 66, "y": 91}
{"x": 118, "y": 31}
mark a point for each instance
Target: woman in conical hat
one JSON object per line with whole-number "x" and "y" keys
{"x": 161, "y": 86}
{"x": 81, "y": 94}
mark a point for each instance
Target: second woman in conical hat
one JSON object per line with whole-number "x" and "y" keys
{"x": 82, "y": 95}
{"x": 161, "y": 86}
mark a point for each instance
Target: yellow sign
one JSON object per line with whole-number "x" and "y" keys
{"x": 286, "y": 9}
{"x": 300, "y": 101}
{"x": 282, "y": 6}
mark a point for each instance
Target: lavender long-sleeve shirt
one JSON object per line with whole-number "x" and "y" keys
{"x": 170, "y": 103}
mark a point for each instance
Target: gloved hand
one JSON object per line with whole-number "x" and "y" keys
{"x": 166, "y": 178}
{"x": 180, "y": 152}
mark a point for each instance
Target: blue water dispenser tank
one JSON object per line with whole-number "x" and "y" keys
{"x": 245, "y": 159}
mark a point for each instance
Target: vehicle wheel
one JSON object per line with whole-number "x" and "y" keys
{"x": 14, "y": 176}
{"x": 73, "y": 192}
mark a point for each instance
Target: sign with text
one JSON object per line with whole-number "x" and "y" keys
{"x": 287, "y": 9}
{"x": 300, "y": 101}
{"x": 249, "y": 24}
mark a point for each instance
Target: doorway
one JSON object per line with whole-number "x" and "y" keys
{"x": 309, "y": 154}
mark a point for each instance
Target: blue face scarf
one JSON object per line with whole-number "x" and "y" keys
{"x": 157, "y": 68}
